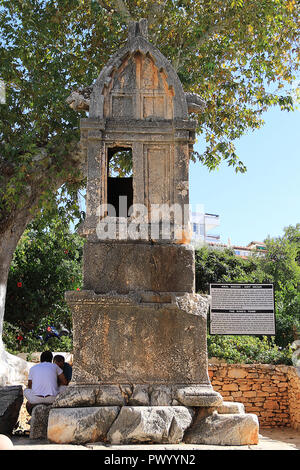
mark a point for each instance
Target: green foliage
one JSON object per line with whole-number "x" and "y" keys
{"x": 287, "y": 301}
{"x": 248, "y": 350}
{"x": 280, "y": 262}
{"x": 224, "y": 266}
{"x": 47, "y": 262}
{"x": 279, "y": 265}
{"x": 120, "y": 164}
{"x": 241, "y": 57}
{"x": 16, "y": 341}
{"x": 292, "y": 234}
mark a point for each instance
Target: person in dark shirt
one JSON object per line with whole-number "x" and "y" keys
{"x": 65, "y": 366}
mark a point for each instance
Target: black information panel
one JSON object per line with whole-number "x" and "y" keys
{"x": 242, "y": 309}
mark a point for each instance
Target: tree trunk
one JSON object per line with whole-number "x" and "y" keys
{"x": 13, "y": 370}
{"x": 12, "y": 226}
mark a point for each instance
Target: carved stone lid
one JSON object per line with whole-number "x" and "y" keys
{"x": 139, "y": 69}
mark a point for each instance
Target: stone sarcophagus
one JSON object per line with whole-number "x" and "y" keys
{"x": 138, "y": 319}
{"x": 139, "y": 327}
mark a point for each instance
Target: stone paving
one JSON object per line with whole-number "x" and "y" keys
{"x": 269, "y": 439}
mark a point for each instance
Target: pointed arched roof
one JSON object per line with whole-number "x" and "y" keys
{"x": 136, "y": 44}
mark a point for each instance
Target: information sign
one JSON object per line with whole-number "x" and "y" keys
{"x": 242, "y": 309}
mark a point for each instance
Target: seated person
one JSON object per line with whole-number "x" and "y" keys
{"x": 44, "y": 382}
{"x": 65, "y": 366}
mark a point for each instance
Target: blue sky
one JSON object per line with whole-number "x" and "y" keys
{"x": 266, "y": 198}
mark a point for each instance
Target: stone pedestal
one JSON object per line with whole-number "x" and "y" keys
{"x": 139, "y": 414}
{"x": 139, "y": 338}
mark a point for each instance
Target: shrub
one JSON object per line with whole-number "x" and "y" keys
{"x": 248, "y": 349}
{"x": 47, "y": 262}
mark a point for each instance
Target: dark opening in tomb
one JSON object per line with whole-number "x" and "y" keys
{"x": 119, "y": 181}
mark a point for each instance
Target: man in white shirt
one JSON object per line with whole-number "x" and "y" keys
{"x": 45, "y": 381}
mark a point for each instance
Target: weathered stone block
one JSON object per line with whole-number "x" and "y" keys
{"x": 90, "y": 395}
{"x": 80, "y": 425}
{"x": 229, "y": 407}
{"x": 161, "y": 396}
{"x": 138, "y": 267}
{"x": 140, "y": 396}
{"x": 109, "y": 395}
{"x": 39, "y": 422}
{"x": 224, "y": 430}
{"x": 11, "y": 399}
{"x": 237, "y": 373}
{"x": 198, "y": 396}
{"x": 150, "y": 424}
{"x": 119, "y": 339}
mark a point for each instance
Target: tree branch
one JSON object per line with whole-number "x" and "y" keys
{"x": 213, "y": 29}
{"x": 119, "y": 6}
{"x": 156, "y": 9}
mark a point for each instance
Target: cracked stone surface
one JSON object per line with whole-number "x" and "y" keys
{"x": 80, "y": 425}
{"x": 150, "y": 424}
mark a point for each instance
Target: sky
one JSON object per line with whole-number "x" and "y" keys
{"x": 265, "y": 199}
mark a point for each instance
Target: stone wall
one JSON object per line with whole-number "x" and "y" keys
{"x": 272, "y": 392}
{"x": 294, "y": 397}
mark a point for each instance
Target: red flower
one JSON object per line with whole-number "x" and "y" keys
{"x": 19, "y": 284}
{"x": 78, "y": 288}
{"x": 66, "y": 252}
{"x": 20, "y": 338}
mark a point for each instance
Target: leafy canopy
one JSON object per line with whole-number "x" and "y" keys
{"x": 237, "y": 55}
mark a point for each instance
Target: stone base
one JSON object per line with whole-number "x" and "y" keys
{"x": 82, "y": 414}
{"x": 137, "y": 395}
{"x": 153, "y": 424}
{"x": 81, "y": 425}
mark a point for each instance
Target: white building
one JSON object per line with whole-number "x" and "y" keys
{"x": 259, "y": 248}
{"x": 201, "y": 224}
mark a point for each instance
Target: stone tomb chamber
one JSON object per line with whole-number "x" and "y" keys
{"x": 140, "y": 370}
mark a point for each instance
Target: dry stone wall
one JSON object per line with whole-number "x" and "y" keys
{"x": 272, "y": 392}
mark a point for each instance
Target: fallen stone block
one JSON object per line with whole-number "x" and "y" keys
{"x": 80, "y": 425}
{"x": 224, "y": 430}
{"x": 11, "y": 399}
{"x": 159, "y": 424}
